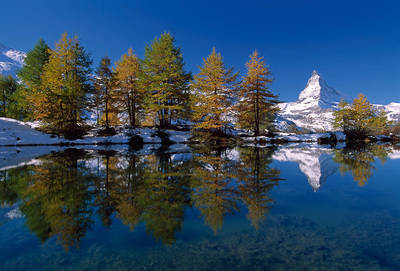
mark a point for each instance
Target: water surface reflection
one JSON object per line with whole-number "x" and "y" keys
{"x": 65, "y": 196}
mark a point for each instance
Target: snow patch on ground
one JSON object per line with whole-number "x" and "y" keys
{"x": 296, "y": 138}
{"x": 19, "y": 133}
{"x": 14, "y": 132}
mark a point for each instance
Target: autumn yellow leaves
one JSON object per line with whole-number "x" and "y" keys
{"x": 154, "y": 91}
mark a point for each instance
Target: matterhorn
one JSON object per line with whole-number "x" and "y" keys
{"x": 315, "y": 105}
{"x": 318, "y": 94}
{"x": 314, "y": 108}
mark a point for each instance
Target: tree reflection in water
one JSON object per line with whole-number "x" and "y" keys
{"x": 63, "y": 193}
{"x": 54, "y": 196}
{"x": 359, "y": 160}
{"x": 213, "y": 190}
{"x": 256, "y": 179}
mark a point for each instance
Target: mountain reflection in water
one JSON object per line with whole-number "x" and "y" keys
{"x": 64, "y": 194}
{"x": 318, "y": 163}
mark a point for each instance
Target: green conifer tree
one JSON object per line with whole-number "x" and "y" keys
{"x": 31, "y": 77}
{"x": 65, "y": 85}
{"x": 8, "y": 86}
{"x": 31, "y": 72}
{"x": 166, "y": 81}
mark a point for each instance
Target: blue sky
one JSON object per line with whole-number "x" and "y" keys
{"x": 354, "y": 45}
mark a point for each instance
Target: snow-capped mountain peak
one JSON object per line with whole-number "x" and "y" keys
{"x": 314, "y": 108}
{"x": 318, "y": 93}
{"x": 10, "y": 60}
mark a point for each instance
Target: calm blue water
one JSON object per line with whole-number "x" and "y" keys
{"x": 287, "y": 208}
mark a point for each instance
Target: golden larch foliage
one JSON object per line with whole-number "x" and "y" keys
{"x": 256, "y": 107}
{"x": 128, "y": 92}
{"x": 214, "y": 86}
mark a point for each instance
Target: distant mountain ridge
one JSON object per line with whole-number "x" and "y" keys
{"x": 11, "y": 60}
{"x": 315, "y": 106}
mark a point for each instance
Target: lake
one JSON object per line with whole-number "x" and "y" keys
{"x": 292, "y": 207}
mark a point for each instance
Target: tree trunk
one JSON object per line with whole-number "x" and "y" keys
{"x": 129, "y": 109}
{"x": 4, "y": 102}
{"x": 133, "y": 121}
{"x": 106, "y": 101}
{"x": 257, "y": 132}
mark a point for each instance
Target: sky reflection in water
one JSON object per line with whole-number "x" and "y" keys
{"x": 234, "y": 208}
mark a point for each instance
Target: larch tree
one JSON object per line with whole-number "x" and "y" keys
{"x": 103, "y": 84}
{"x": 256, "y": 108}
{"x": 214, "y": 86}
{"x": 65, "y": 85}
{"x": 359, "y": 119}
{"x": 129, "y": 92}
{"x": 166, "y": 81}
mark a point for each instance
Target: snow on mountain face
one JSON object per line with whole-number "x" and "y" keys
{"x": 392, "y": 110}
{"x": 314, "y": 108}
{"x": 318, "y": 93}
{"x": 315, "y": 163}
{"x": 10, "y": 60}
